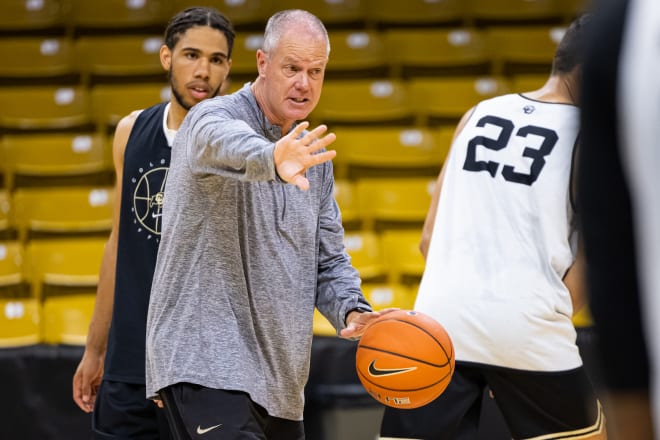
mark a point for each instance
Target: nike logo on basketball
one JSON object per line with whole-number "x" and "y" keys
{"x": 201, "y": 431}
{"x": 374, "y": 371}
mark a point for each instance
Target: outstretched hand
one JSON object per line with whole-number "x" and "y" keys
{"x": 357, "y": 322}
{"x": 294, "y": 155}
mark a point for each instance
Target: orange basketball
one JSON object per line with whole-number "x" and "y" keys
{"x": 405, "y": 359}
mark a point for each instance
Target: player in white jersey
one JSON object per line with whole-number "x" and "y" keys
{"x": 501, "y": 273}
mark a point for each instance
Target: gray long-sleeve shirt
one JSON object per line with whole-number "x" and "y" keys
{"x": 243, "y": 260}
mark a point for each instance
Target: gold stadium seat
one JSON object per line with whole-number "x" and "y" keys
{"x": 66, "y": 318}
{"x": 383, "y": 295}
{"x": 357, "y": 54}
{"x": 442, "y": 138}
{"x": 56, "y": 267}
{"x": 527, "y": 82}
{"x": 244, "y": 14}
{"x": 30, "y": 60}
{"x": 322, "y": 326}
{"x": 43, "y": 17}
{"x": 523, "y": 49}
{"x": 442, "y": 101}
{"x": 364, "y": 102}
{"x": 56, "y": 159}
{"x": 111, "y": 102}
{"x": 74, "y": 211}
{"x": 582, "y": 317}
{"x": 413, "y": 13}
{"x": 490, "y": 12}
{"x": 19, "y": 322}
{"x": 232, "y": 85}
{"x": 574, "y": 8}
{"x": 120, "y": 58}
{"x": 366, "y": 256}
{"x": 111, "y": 16}
{"x": 401, "y": 252}
{"x": 5, "y": 214}
{"x": 347, "y": 202}
{"x": 430, "y": 52}
{"x": 394, "y": 203}
{"x": 335, "y": 14}
{"x": 244, "y": 57}
{"x": 44, "y": 108}
{"x": 12, "y": 271}
{"x": 389, "y": 151}
{"x": 379, "y": 295}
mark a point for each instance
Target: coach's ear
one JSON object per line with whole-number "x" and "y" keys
{"x": 262, "y": 61}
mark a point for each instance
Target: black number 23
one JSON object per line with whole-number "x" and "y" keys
{"x": 537, "y": 155}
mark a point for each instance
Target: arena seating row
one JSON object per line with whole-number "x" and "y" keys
{"x": 108, "y": 16}
{"x": 397, "y": 54}
{"x": 60, "y": 159}
{"x": 47, "y": 286}
{"x": 420, "y": 102}
{"x": 376, "y": 203}
{"x": 48, "y": 290}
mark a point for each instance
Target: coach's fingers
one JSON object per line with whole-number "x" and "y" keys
{"x": 323, "y": 142}
{"x": 300, "y": 181}
{"x": 388, "y": 310}
{"x": 298, "y": 130}
{"x": 319, "y": 158}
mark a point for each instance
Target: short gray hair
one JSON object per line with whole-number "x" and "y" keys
{"x": 281, "y": 21}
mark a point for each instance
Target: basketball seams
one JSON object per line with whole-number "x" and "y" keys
{"x": 442, "y": 347}
{"x": 401, "y": 355}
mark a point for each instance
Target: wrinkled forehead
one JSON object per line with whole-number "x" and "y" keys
{"x": 304, "y": 36}
{"x": 302, "y": 45}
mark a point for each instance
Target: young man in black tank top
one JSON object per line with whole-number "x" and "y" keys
{"x": 109, "y": 380}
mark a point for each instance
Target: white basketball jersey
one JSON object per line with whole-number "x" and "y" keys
{"x": 501, "y": 241}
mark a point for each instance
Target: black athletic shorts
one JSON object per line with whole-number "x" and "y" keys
{"x": 122, "y": 412}
{"x": 194, "y": 410}
{"x": 543, "y": 405}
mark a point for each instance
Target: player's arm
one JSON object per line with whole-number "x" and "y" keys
{"x": 89, "y": 373}
{"x": 429, "y": 221}
{"x": 575, "y": 281}
{"x": 575, "y": 276}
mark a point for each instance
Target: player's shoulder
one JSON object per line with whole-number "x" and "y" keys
{"x": 506, "y": 98}
{"x": 127, "y": 122}
{"x": 125, "y": 126}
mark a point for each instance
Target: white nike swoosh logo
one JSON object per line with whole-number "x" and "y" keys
{"x": 154, "y": 215}
{"x": 205, "y": 430}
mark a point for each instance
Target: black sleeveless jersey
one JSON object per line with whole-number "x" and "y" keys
{"x": 146, "y": 164}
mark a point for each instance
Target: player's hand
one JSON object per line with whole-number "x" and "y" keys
{"x": 86, "y": 381}
{"x": 357, "y": 322}
{"x": 293, "y": 155}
